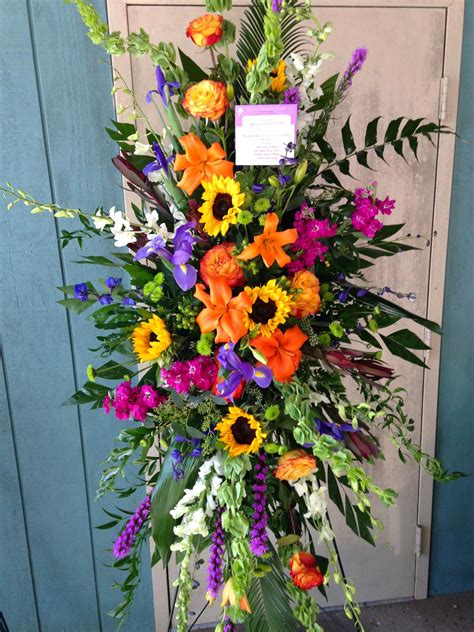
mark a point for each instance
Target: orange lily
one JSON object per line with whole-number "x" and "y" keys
{"x": 282, "y": 351}
{"x": 222, "y": 312}
{"x": 269, "y": 245}
{"x": 229, "y": 596}
{"x": 200, "y": 163}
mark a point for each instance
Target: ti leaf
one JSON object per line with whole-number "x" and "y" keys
{"x": 194, "y": 72}
{"x": 270, "y": 602}
{"x": 166, "y": 494}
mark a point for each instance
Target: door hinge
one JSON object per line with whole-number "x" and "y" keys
{"x": 443, "y": 98}
{"x": 418, "y": 539}
{"x": 427, "y": 340}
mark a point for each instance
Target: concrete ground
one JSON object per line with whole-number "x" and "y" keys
{"x": 449, "y": 613}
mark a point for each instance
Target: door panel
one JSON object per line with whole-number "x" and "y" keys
{"x": 401, "y": 77}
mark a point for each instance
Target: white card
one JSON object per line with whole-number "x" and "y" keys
{"x": 262, "y": 133}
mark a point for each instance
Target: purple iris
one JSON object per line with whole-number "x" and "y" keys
{"x": 276, "y": 6}
{"x": 105, "y": 299}
{"x": 161, "y": 84}
{"x": 239, "y": 370}
{"x": 291, "y": 95}
{"x": 156, "y": 246}
{"x": 184, "y": 273}
{"x": 334, "y": 430}
{"x": 161, "y": 161}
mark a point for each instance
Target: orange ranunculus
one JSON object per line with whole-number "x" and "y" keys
{"x": 222, "y": 312}
{"x": 229, "y": 597}
{"x": 282, "y": 351}
{"x": 294, "y": 465}
{"x": 269, "y": 245}
{"x": 307, "y": 301}
{"x": 206, "y": 30}
{"x": 304, "y": 571}
{"x": 218, "y": 262}
{"x": 206, "y": 99}
{"x": 200, "y": 163}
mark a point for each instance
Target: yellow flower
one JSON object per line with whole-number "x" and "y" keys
{"x": 229, "y": 597}
{"x": 277, "y": 75}
{"x": 150, "y": 339}
{"x": 240, "y": 432}
{"x": 222, "y": 201}
{"x": 270, "y": 307}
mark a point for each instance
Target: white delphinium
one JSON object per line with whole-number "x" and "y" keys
{"x": 119, "y": 225}
{"x": 155, "y": 228}
{"x": 315, "y": 497}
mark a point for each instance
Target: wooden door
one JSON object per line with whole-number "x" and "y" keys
{"x": 410, "y": 50}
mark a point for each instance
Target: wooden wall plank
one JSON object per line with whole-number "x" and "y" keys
{"x": 17, "y": 598}
{"x": 65, "y": 106}
{"x": 37, "y": 352}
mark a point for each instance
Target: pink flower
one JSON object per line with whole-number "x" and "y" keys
{"x": 200, "y": 372}
{"x": 106, "y": 404}
{"x": 133, "y": 402}
{"x": 308, "y": 247}
{"x": 367, "y": 207}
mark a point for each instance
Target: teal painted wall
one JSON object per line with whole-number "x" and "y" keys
{"x": 55, "y": 100}
{"x": 452, "y": 551}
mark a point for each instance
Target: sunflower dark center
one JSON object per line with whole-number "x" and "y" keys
{"x": 153, "y": 337}
{"x": 242, "y": 432}
{"x": 263, "y": 311}
{"x": 274, "y": 74}
{"x": 222, "y": 203}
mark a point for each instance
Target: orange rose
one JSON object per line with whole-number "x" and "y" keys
{"x": 206, "y": 30}
{"x": 307, "y": 300}
{"x": 304, "y": 571}
{"x": 294, "y": 465}
{"x": 206, "y": 99}
{"x": 219, "y": 262}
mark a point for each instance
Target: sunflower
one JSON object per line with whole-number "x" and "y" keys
{"x": 277, "y": 75}
{"x": 240, "y": 432}
{"x": 270, "y": 307}
{"x": 150, "y": 339}
{"x": 222, "y": 201}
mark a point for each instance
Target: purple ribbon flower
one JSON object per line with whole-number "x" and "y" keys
{"x": 184, "y": 273}
{"x": 161, "y": 85}
{"x": 239, "y": 370}
{"x": 161, "y": 161}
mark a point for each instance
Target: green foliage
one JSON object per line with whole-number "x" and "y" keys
{"x": 166, "y": 494}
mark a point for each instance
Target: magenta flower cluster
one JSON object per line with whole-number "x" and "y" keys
{"x": 214, "y": 567}
{"x": 308, "y": 246}
{"x": 132, "y": 402}
{"x": 258, "y": 531}
{"x": 367, "y": 207}
{"x": 200, "y": 372}
{"x": 124, "y": 542}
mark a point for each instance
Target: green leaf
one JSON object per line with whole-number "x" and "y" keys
{"x": 408, "y": 339}
{"x": 91, "y": 392}
{"x": 392, "y": 129}
{"x": 371, "y": 132}
{"x": 361, "y": 157}
{"x": 112, "y": 371}
{"x": 333, "y": 490}
{"x": 392, "y": 309}
{"x": 350, "y": 517}
{"x": 398, "y": 147}
{"x": 387, "y": 231}
{"x": 166, "y": 494}
{"x": 194, "y": 72}
{"x": 347, "y": 137}
{"x": 327, "y": 151}
{"x": 365, "y": 525}
{"x": 270, "y": 602}
{"x": 75, "y": 305}
{"x": 410, "y": 127}
{"x": 98, "y": 260}
{"x": 402, "y": 352}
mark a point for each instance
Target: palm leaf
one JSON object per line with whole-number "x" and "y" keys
{"x": 270, "y": 602}
{"x": 252, "y": 36}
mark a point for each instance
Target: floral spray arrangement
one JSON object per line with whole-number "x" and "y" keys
{"x": 242, "y": 296}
